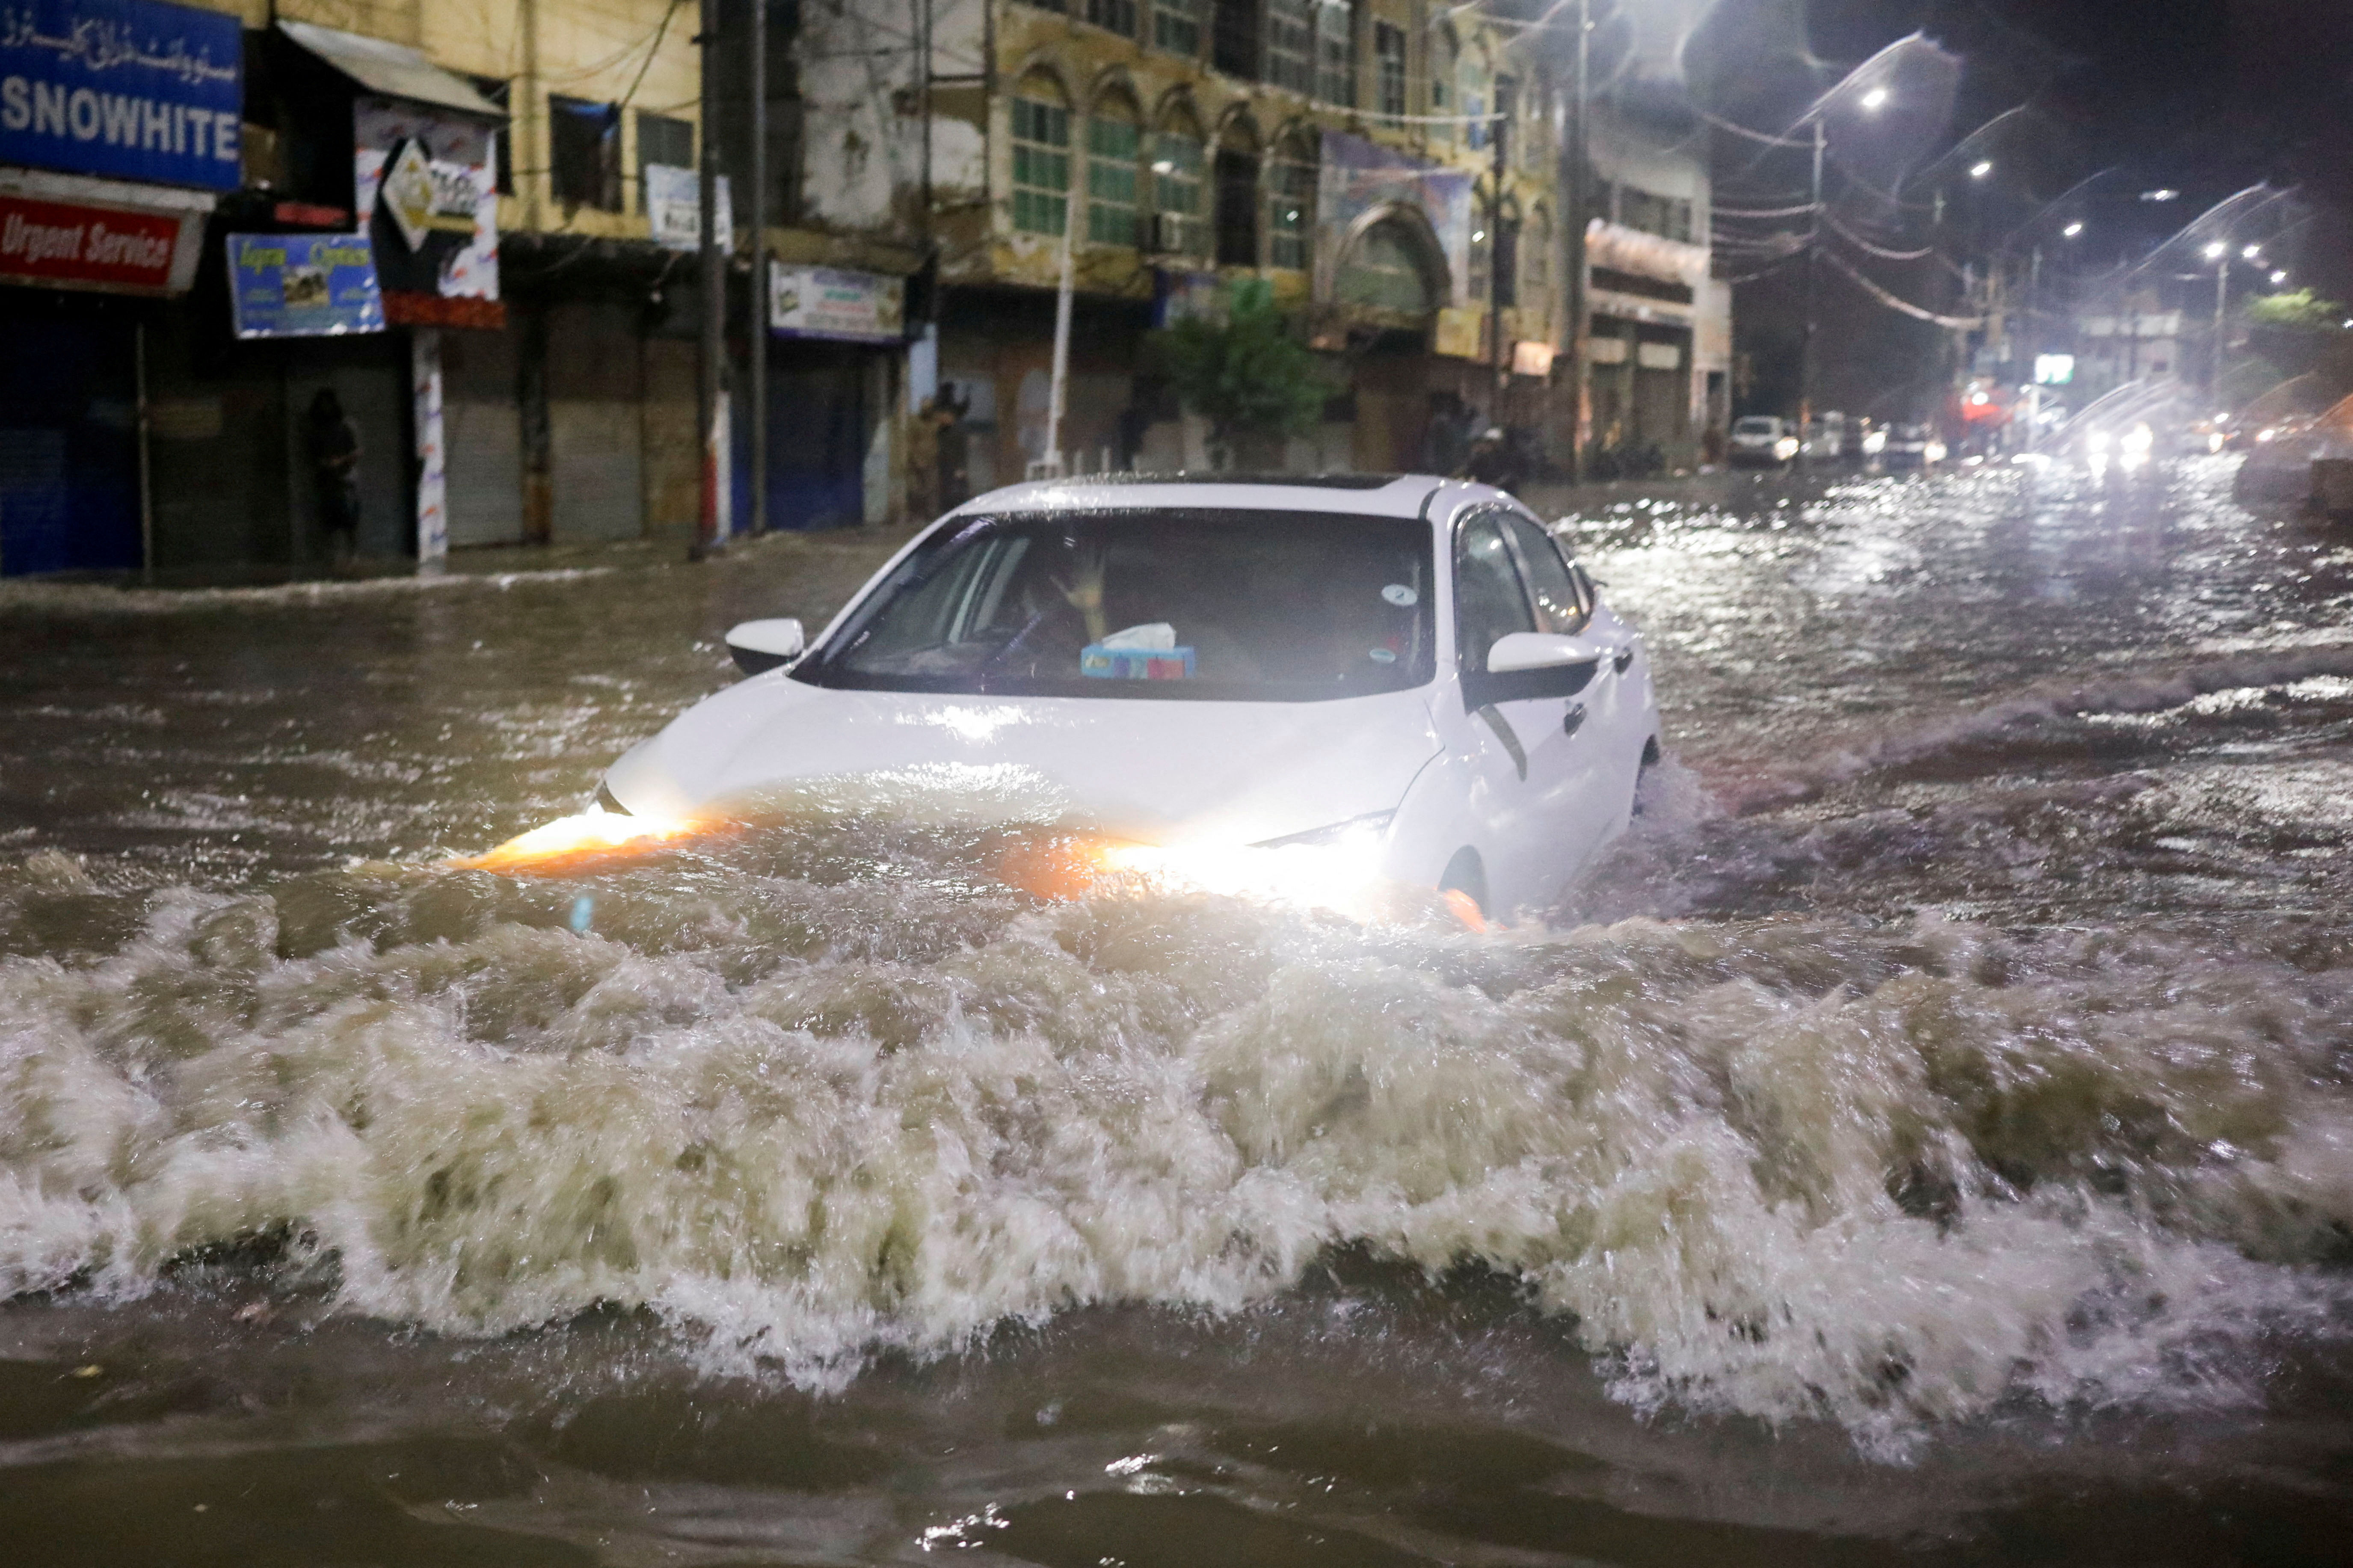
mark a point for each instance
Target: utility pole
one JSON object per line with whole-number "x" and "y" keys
{"x": 1813, "y": 286}
{"x": 756, "y": 214}
{"x": 1579, "y": 196}
{"x": 710, "y": 389}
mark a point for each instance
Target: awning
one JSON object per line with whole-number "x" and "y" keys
{"x": 394, "y": 71}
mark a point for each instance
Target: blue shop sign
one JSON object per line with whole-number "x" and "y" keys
{"x": 303, "y": 285}
{"x": 133, "y": 88}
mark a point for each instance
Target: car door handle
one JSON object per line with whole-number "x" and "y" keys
{"x": 1574, "y": 720}
{"x": 1625, "y": 657}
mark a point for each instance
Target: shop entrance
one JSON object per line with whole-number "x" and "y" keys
{"x": 69, "y": 441}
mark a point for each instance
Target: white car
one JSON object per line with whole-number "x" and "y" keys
{"x": 1405, "y": 672}
{"x": 1762, "y": 440}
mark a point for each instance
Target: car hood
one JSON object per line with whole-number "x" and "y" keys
{"x": 1153, "y": 768}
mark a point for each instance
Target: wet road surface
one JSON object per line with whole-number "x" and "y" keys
{"x": 1927, "y": 1138}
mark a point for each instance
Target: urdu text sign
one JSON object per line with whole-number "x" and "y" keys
{"x": 132, "y": 89}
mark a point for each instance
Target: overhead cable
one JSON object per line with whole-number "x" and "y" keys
{"x": 1953, "y": 323}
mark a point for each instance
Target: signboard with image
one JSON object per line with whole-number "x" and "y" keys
{"x": 303, "y": 285}
{"x": 835, "y": 303}
{"x": 132, "y": 88}
{"x": 426, "y": 187}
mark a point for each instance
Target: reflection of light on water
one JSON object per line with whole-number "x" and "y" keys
{"x": 549, "y": 847}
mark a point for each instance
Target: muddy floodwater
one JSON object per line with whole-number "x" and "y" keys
{"x": 1927, "y": 1138}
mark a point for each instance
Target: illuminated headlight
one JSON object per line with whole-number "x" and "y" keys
{"x": 2096, "y": 443}
{"x": 1785, "y": 448}
{"x": 1935, "y": 452}
{"x": 1335, "y": 867}
{"x": 2265, "y": 434}
{"x": 1874, "y": 442}
{"x": 2137, "y": 441}
{"x": 2215, "y": 442}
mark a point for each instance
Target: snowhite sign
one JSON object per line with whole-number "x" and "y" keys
{"x": 834, "y": 302}
{"x": 132, "y": 89}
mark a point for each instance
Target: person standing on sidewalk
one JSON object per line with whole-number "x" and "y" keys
{"x": 335, "y": 463}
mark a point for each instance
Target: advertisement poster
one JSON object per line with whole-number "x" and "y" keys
{"x": 425, "y": 183}
{"x": 673, "y": 197}
{"x": 834, "y": 302}
{"x": 82, "y": 244}
{"x": 302, "y": 285}
{"x": 133, "y": 88}
{"x": 1356, "y": 177}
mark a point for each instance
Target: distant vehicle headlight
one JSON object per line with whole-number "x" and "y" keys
{"x": 1785, "y": 448}
{"x": 2216, "y": 442}
{"x": 2137, "y": 441}
{"x": 1874, "y": 442}
{"x": 2265, "y": 434}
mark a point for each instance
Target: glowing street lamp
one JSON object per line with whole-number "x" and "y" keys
{"x": 2252, "y": 252}
{"x": 2214, "y": 251}
{"x": 1980, "y": 169}
{"x": 2279, "y": 277}
{"x": 2073, "y": 229}
{"x": 1876, "y": 99}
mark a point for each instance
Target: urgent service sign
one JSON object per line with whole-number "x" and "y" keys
{"x": 133, "y": 88}
{"x": 78, "y": 245}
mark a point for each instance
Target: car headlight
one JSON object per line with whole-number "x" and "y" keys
{"x": 1785, "y": 448}
{"x": 1365, "y": 830}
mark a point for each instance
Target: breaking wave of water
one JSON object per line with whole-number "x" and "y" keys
{"x": 829, "y": 1088}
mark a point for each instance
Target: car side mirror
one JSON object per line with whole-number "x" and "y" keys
{"x": 1541, "y": 650}
{"x": 762, "y": 646}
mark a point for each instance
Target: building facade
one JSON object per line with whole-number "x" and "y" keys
{"x": 474, "y": 226}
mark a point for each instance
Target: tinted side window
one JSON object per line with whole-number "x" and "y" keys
{"x": 1488, "y": 601}
{"x": 1558, "y": 605}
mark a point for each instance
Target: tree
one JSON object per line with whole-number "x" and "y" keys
{"x": 2297, "y": 310}
{"x": 1246, "y": 374}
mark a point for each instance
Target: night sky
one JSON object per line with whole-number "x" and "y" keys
{"x": 2206, "y": 97}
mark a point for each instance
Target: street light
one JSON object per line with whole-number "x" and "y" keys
{"x": 2073, "y": 229}
{"x": 2252, "y": 252}
{"x": 1876, "y": 99}
{"x": 2279, "y": 277}
{"x": 2214, "y": 251}
{"x": 1978, "y": 171}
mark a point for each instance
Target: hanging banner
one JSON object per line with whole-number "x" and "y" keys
{"x": 835, "y": 303}
{"x": 1355, "y": 177}
{"x": 302, "y": 286}
{"x": 673, "y": 198}
{"x": 133, "y": 88}
{"x": 425, "y": 182}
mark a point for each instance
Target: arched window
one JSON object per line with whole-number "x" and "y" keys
{"x": 1387, "y": 269}
{"x": 1177, "y": 183}
{"x": 1237, "y": 189}
{"x": 1291, "y": 203}
{"x": 1041, "y": 157}
{"x": 1114, "y": 147}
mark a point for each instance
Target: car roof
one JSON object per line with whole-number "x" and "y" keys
{"x": 1358, "y": 495}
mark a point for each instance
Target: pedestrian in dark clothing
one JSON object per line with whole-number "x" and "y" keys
{"x": 335, "y": 463}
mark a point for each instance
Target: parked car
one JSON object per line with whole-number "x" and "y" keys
{"x": 1761, "y": 440}
{"x": 1407, "y": 674}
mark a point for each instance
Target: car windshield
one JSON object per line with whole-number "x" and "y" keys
{"x": 1176, "y": 603}
{"x": 1755, "y": 426}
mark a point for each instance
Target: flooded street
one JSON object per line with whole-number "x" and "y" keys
{"x": 1927, "y": 1138}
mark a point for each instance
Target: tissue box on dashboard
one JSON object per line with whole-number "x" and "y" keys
{"x": 1135, "y": 663}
